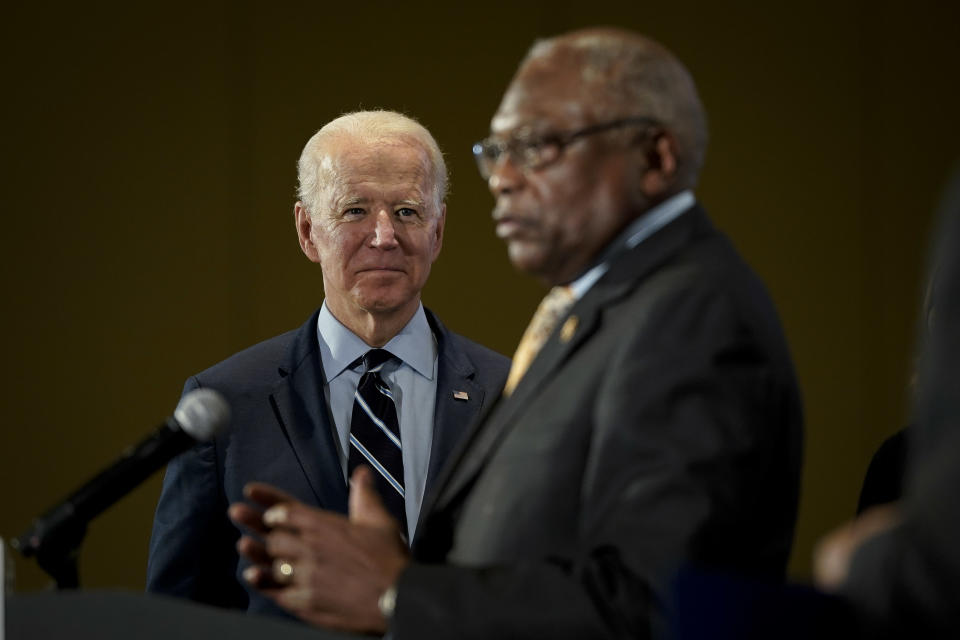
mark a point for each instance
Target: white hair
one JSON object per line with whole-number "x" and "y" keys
{"x": 627, "y": 75}
{"x": 367, "y": 126}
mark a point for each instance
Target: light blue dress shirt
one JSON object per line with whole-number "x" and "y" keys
{"x": 412, "y": 380}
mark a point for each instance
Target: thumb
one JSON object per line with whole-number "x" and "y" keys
{"x": 366, "y": 508}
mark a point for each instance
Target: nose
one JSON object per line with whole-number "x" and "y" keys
{"x": 384, "y": 233}
{"x": 505, "y": 177}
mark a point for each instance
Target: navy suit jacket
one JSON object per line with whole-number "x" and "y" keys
{"x": 281, "y": 433}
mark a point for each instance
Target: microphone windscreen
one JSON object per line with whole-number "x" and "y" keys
{"x": 202, "y": 414}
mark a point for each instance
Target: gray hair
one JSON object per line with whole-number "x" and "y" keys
{"x": 625, "y": 75}
{"x": 366, "y": 126}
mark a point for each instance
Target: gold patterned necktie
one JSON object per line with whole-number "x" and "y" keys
{"x": 552, "y": 308}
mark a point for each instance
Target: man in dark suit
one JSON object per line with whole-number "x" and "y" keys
{"x": 651, "y": 417}
{"x": 371, "y": 213}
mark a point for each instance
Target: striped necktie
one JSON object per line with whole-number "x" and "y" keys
{"x": 375, "y": 434}
{"x": 552, "y": 308}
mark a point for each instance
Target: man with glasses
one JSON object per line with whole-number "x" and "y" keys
{"x": 651, "y": 418}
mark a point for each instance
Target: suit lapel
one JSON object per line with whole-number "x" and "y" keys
{"x": 485, "y": 435}
{"x": 625, "y": 272}
{"x": 302, "y": 415}
{"x": 459, "y": 398}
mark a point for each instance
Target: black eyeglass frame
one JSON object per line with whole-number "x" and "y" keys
{"x": 528, "y": 154}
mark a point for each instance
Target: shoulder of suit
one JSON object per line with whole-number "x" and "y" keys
{"x": 254, "y": 366}
{"x": 481, "y": 355}
{"x": 489, "y": 363}
{"x": 706, "y": 261}
{"x": 707, "y": 281}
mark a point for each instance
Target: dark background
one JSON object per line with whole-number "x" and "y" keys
{"x": 149, "y": 171}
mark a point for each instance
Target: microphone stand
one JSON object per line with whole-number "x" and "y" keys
{"x": 57, "y": 548}
{"x": 55, "y": 537}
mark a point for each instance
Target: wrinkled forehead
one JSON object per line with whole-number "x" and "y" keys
{"x": 548, "y": 92}
{"x": 391, "y": 165}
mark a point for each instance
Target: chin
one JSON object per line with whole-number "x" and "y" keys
{"x": 526, "y": 260}
{"x": 385, "y": 304}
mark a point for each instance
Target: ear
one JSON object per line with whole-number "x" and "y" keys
{"x": 657, "y": 180}
{"x": 304, "y": 228}
{"x": 441, "y": 221}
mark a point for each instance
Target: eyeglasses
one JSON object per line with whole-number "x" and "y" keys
{"x": 535, "y": 152}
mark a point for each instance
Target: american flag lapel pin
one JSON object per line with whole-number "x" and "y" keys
{"x": 461, "y": 395}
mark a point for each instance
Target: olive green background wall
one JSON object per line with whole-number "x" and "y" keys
{"x": 148, "y": 179}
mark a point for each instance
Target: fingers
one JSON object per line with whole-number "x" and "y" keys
{"x": 281, "y": 511}
{"x": 283, "y": 549}
{"x": 253, "y": 550}
{"x": 832, "y": 559}
{"x": 245, "y": 516}
{"x": 266, "y": 572}
{"x": 265, "y": 495}
{"x": 301, "y": 600}
{"x": 287, "y": 545}
{"x": 259, "y": 574}
{"x": 281, "y": 575}
{"x": 292, "y": 534}
{"x": 366, "y": 506}
{"x": 285, "y": 535}
{"x": 312, "y": 597}
{"x": 298, "y": 517}
{"x": 878, "y": 519}
{"x": 319, "y": 565}
{"x": 261, "y": 578}
{"x": 833, "y": 555}
{"x": 293, "y": 598}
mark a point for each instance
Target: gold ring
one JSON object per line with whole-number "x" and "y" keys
{"x": 286, "y": 570}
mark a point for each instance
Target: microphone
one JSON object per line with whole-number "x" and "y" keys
{"x": 200, "y": 415}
